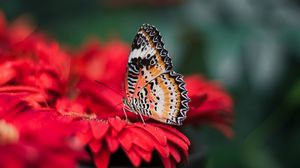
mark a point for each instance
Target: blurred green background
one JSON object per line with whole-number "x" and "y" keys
{"x": 251, "y": 46}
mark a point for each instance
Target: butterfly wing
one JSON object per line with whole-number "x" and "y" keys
{"x": 148, "y": 59}
{"x": 165, "y": 99}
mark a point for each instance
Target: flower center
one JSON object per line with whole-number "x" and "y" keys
{"x": 81, "y": 115}
{"x": 8, "y": 133}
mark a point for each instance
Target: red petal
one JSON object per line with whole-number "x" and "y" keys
{"x": 101, "y": 159}
{"x": 156, "y": 132}
{"x": 134, "y": 157}
{"x": 48, "y": 81}
{"x": 175, "y": 131}
{"x": 99, "y": 128}
{"x": 84, "y": 137}
{"x": 175, "y": 153}
{"x": 164, "y": 151}
{"x": 225, "y": 129}
{"x": 95, "y": 145}
{"x": 166, "y": 162}
{"x": 7, "y": 73}
{"x": 117, "y": 123}
{"x": 197, "y": 100}
{"x": 146, "y": 155}
{"x": 186, "y": 154}
{"x": 125, "y": 139}
{"x": 112, "y": 143}
{"x": 114, "y": 132}
{"x": 19, "y": 88}
{"x": 176, "y": 140}
{"x": 142, "y": 138}
{"x": 83, "y": 126}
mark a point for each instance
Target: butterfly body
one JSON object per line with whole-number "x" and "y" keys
{"x": 153, "y": 89}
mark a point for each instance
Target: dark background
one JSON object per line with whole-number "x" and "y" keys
{"x": 252, "y": 47}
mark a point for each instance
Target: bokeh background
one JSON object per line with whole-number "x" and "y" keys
{"x": 252, "y": 47}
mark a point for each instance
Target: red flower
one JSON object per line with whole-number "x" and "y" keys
{"x": 27, "y": 59}
{"x": 210, "y": 104}
{"x": 96, "y": 62}
{"x": 33, "y": 138}
{"x": 105, "y": 135}
{"x": 18, "y": 38}
{"x": 20, "y": 73}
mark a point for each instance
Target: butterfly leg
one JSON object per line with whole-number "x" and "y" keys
{"x": 142, "y": 118}
{"x": 124, "y": 110}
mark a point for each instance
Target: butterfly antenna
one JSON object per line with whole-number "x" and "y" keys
{"x": 101, "y": 83}
{"x": 124, "y": 110}
{"x": 115, "y": 108}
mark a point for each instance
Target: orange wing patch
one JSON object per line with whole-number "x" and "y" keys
{"x": 166, "y": 100}
{"x": 148, "y": 59}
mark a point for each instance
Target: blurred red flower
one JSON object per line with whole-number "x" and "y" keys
{"x": 34, "y": 138}
{"x": 27, "y": 59}
{"x": 33, "y": 75}
{"x": 210, "y": 104}
{"x": 95, "y": 61}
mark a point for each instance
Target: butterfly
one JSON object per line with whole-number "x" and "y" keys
{"x": 152, "y": 88}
